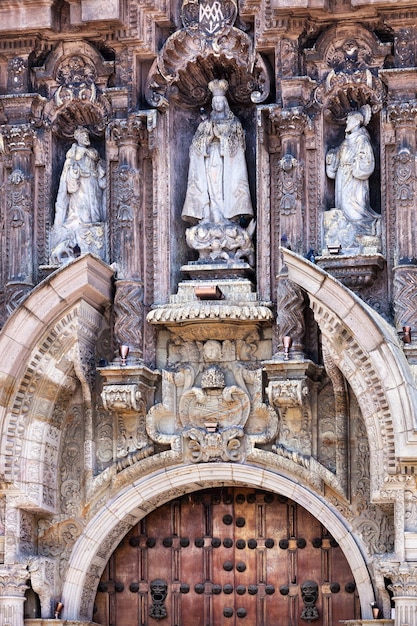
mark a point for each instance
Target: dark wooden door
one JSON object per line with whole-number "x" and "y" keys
{"x": 227, "y": 557}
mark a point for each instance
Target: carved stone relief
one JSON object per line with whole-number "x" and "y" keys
{"x": 208, "y": 32}
{"x": 216, "y": 411}
{"x": 74, "y": 77}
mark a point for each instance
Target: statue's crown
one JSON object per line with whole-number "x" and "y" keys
{"x": 218, "y": 87}
{"x": 212, "y": 378}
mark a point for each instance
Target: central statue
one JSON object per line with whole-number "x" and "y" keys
{"x": 218, "y": 192}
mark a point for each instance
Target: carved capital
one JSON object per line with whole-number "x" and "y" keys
{"x": 402, "y": 113}
{"x": 287, "y": 393}
{"x": 132, "y": 130}
{"x": 19, "y": 138}
{"x": 13, "y": 581}
{"x": 123, "y": 398}
{"x": 291, "y": 121}
{"x": 403, "y": 577}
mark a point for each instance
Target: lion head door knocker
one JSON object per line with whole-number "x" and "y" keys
{"x": 309, "y": 594}
{"x": 159, "y": 590}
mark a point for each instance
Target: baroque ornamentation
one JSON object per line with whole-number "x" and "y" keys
{"x": 351, "y": 165}
{"x": 75, "y": 78}
{"x": 218, "y": 194}
{"x": 217, "y": 410}
{"x": 208, "y": 31}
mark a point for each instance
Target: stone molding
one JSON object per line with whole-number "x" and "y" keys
{"x": 360, "y": 332}
{"x": 149, "y": 491}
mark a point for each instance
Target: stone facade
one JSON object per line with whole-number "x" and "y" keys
{"x": 144, "y": 357}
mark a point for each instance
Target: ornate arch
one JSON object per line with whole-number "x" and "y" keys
{"x": 48, "y": 339}
{"x": 112, "y": 522}
{"x": 368, "y": 353}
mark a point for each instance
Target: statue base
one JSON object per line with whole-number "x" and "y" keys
{"x": 69, "y": 242}
{"x": 222, "y": 242}
{"x": 356, "y": 271}
{"x": 348, "y": 238}
{"x": 200, "y": 270}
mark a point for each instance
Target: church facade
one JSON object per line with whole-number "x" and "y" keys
{"x": 208, "y": 278}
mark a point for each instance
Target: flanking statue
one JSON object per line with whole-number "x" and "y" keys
{"x": 351, "y": 164}
{"x": 218, "y": 194}
{"x": 80, "y": 204}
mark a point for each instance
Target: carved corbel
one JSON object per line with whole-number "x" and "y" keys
{"x": 292, "y": 392}
{"x": 284, "y": 394}
{"x": 122, "y": 398}
{"x": 127, "y": 393}
{"x": 42, "y": 577}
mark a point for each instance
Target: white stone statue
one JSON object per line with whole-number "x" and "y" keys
{"x": 218, "y": 192}
{"x": 351, "y": 164}
{"x": 80, "y": 203}
{"x": 218, "y": 187}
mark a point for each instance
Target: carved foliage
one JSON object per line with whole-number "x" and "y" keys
{"x": 207, "y": 47}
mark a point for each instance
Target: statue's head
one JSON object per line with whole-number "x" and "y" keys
{"x": 354, "y": 120}
{"x": 219, "y": 102}
{"x": 81, "y": 136}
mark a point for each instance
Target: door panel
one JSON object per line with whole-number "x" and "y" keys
{"x": 227, "y": 557}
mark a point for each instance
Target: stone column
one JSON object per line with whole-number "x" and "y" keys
{"x": 19, "y": 215}
{"x": 402, "y": 200}
{"x": 404, "y": 588}
{"x": 12, "y": 595}
{"x": 128, "y": 236}
{"x": 289, "y": 125}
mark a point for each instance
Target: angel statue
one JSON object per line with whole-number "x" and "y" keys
{"x": 351, "y": 165}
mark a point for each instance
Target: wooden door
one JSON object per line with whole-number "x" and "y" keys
{"x": 227, "y": 557}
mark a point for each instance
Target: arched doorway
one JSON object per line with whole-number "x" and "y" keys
{"x": 227, "y": 556}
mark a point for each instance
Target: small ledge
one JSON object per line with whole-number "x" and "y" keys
{"x": 356, "y": 272}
